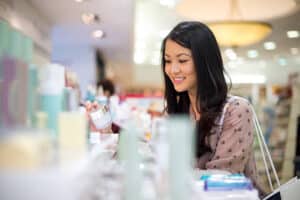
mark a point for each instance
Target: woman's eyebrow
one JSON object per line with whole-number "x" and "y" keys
{"x": 183, "y": 54}
{"x": 178, "y": 55}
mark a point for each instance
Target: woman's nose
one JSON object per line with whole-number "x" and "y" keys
{"x": 175, "y": 68}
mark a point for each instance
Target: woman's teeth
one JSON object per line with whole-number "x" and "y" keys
{"x": 178, "y": 79}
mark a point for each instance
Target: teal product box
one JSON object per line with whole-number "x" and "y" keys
{"x": 52, "y": 105}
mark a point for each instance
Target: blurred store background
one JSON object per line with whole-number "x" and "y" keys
{"x": 53, "y": 54}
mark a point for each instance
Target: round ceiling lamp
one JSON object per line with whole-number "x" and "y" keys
{"x": 236, "y": 23}
{"x": 240, "y": 33}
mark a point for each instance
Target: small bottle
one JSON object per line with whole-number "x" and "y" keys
{"x": 101, "y": 117}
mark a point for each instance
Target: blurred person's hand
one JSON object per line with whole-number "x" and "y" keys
{"x": 93, "y": 106}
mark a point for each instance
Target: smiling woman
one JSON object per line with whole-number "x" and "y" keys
{"x": 195, "y": 84}
{"x": 180, "y": 67}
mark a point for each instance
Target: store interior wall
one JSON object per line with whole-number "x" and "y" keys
{"x": 79, "y": 59}
{"x": 148, "y": 75}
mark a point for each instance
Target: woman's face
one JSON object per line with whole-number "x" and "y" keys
{"x": 179, "y": 67}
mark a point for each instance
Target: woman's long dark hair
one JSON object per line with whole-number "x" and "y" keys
{"x": 211, "y": 85}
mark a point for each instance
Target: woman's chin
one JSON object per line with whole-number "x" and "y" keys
{"x": 179, "y": 89}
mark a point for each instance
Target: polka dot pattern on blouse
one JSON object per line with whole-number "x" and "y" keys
{"x": 232, "y": 145}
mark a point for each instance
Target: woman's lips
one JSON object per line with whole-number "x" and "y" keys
{"x": 178, "y": 80}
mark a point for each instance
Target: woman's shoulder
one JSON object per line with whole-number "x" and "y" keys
{"x": 238, "y": 110}
{"x": 238, "y": 104}
{"x": 237, "y": 100}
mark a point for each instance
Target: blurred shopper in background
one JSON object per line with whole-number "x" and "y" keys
{"x": 195, "y": 85}
{"x": 106, "y": 87}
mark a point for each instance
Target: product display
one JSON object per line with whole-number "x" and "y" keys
{"x": 15, "y": 57}
{"x": 51, "y": 86}
{"x": 25, "y": 150}
{"x": 72, "y": 131}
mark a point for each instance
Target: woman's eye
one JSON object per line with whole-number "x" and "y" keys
{"x": 168, "y": 61}
{"x": 182, "y": 61}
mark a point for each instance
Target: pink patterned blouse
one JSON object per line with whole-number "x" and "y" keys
{"x": 232, "y": 142}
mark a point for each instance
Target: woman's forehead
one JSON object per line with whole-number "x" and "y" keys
{"x": 173, "y": 48}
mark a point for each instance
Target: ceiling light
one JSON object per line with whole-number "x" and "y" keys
{"x": 231, "y": 55}
{"x": 79, "y": 1}
{"x": 269, "y": 45}
{"x": 89, "y": 18}
{"x": 98, "y": 34}
{"x": 231, "y": 65}
{"x": 252, "y": 53}
{"x": 201, "y": 10}
{"x": 234, "y": 31}
{"x": 293, "y": 34}
{"x": 294, "y": 51}
{"x": 239, "y": 33}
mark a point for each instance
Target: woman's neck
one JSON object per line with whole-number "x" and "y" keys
{"x": 193, "y": 100}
